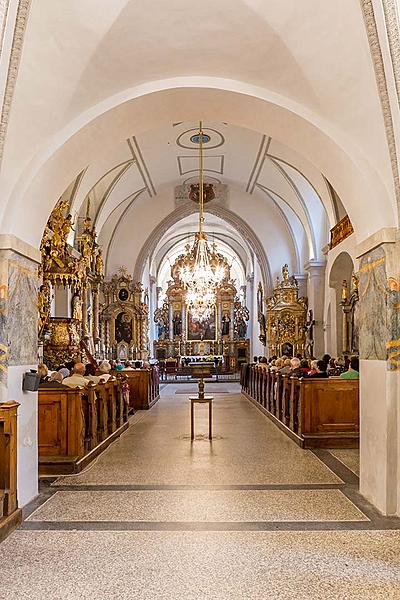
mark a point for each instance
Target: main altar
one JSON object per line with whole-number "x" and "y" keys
{"x": 222, "y": 334}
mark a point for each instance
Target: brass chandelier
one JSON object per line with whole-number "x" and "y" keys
{"x": 201, "y": 279}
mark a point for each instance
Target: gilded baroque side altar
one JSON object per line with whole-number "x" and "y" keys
{"x": 124, "y": 318}
{"x": 68, "y": 298}
{"x": 286, "y": 316}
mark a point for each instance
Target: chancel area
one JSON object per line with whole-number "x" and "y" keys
{"x": 199, "y": 299}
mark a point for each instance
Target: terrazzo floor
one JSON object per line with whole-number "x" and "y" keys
{"x": 248, "y": 515}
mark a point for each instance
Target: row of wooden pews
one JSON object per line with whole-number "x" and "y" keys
{"x": 316, "y": 413}
{"x": 76, "y": 424}
{"x": 10, "y": 514}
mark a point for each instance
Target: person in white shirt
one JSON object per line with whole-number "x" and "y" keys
{"x": 77, "y": 379}
{"x": 104, "y": 370}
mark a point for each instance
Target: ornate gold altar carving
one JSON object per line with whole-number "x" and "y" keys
{"x": 63, "y": 340}
{"x": 286, "y": 317}
{"x": 341, "y": 231}
{"x": 78, "y": 273}
{"x": 223, "y": 333}
{"x": 124, "y": 318}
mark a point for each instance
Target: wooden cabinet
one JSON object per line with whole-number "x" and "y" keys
{"x": 10, "y": 514}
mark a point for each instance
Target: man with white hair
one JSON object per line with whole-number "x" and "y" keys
{"x": 104, "y": 370}
{"x": 77, "y": 379}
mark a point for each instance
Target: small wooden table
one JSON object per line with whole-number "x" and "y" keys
{"x": 196, "y": 400}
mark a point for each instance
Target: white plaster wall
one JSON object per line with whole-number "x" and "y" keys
{"x": 27, "y": 434}
{"x": 379, "y": 447}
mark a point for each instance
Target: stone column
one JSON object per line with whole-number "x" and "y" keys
{"x": 19, "y": 350}
{"x": 315, "y": 293}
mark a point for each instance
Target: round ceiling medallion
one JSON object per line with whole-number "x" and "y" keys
{"x": 190, "y": 139}
{"x": 196, "y": 138}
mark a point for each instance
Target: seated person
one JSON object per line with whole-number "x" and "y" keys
{"x": 296, "y": 370}
{"x": 64, "y": 372}
{"x": 43, "y": 372}
{"x": 128, "y": 366}
{"x": 285, "y": 370}
{"x": 353, "y": 372}
{"x": 263, "y": 362}
{"x": 90, "y": 373}
{"x": 104, "y": 370}
{"x": 338, "y": 368}
{"x": 304, "y": 366}
{"x": 321, "y": 370}
{"x": 313, "y": 368}
{"x": 53, "y": 381}
{"x": 77, "y": 379}
{"x": 278, "y": 365}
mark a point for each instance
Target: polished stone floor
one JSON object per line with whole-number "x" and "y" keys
{"x": 248, "y": 515}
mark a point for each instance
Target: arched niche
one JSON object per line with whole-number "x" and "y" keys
{"x": 342, "y": 269}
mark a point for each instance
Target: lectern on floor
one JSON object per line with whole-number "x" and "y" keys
{"x": 201, "y": 370}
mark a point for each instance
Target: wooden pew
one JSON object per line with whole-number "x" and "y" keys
{"x": 316, "y": 413}
{"x": 144, "y": 388}
{"x": 10, "y": 514}
{"x": 76, "y": 424}
{"x": 329, "y": 412}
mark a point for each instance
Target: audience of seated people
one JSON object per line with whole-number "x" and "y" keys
{"x": 76, "y": 374}
{"x": 303, "y": 367}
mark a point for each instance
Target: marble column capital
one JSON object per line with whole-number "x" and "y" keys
{"x": 315, "y": 268}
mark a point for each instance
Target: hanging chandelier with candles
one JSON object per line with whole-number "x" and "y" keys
{"x": 202, "y": 276}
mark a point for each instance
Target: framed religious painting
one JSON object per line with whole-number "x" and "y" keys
{"x": 201, "y": 330}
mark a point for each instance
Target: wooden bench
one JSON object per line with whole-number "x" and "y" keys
{"x": 75, "y": 425}
{"x": 144, "y": 387}
{"x": 316, "y": 413}
{"x": 10, "y": 514}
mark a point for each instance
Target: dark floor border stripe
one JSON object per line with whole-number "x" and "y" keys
{"x": 206, "y": 526}
{"x": 336, "y": 466}
{"x": 199, "y": 488}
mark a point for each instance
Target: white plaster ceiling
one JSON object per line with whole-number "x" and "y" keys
{"x": 96, "y": 73}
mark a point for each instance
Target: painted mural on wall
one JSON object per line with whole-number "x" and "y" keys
{"x": 379, "y": 316}
{"x": 23, "y": 311}
{"x": 373, "y": 293}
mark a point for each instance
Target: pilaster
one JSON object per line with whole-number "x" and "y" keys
{"x": 316, "y": 294}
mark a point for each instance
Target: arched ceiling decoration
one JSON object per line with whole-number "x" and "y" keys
{"x": 167, "y": 157}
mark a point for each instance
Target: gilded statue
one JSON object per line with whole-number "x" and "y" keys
{"x": 99, "y": 265}
{"x": 285, "y": 274}
{"x": 345, "y": 291}
{"x": 77, "y": 307}
{"x": 44, "y": 306}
